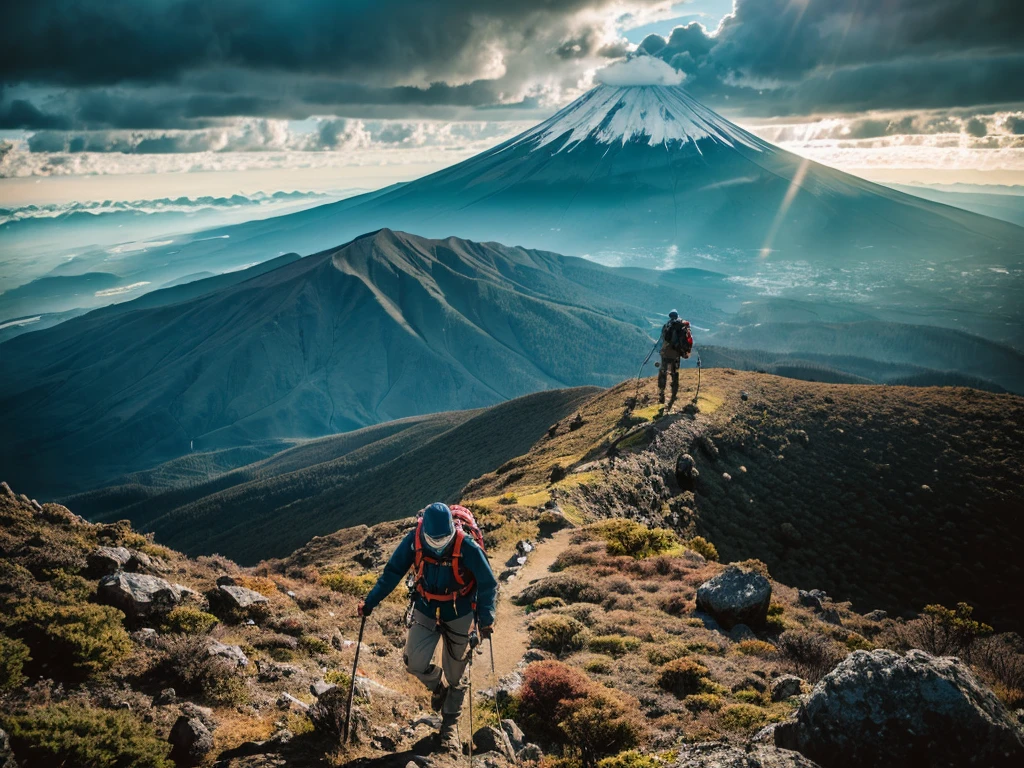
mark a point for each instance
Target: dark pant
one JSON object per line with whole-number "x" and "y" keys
{"x": 669, "y": 364}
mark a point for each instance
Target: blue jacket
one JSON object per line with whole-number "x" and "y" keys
{"x": 439, "y": 579}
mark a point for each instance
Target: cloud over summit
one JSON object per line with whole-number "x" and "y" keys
{"x": 640, "y": 70}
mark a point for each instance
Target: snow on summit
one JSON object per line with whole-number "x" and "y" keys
{"x": 655, "y": 114}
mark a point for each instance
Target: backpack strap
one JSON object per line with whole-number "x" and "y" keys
{"x": 457, "y": 554}
{"x": 465, "y": 586}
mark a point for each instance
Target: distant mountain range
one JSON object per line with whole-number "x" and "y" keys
{"x": 388, "y": 326}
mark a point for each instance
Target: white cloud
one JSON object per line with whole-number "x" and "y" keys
{"x": 641, "y": 70}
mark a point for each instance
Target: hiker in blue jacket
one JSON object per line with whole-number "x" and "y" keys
{"x": 454, "y": 587}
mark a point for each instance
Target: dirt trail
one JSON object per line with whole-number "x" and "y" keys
{"x": 511, "y": 638}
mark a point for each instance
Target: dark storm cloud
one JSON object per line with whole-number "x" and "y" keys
{"x": 780, "y": 56}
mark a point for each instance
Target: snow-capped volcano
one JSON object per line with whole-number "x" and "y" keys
{"x": 653, "y": 114}
{"x": 629, "y": 174}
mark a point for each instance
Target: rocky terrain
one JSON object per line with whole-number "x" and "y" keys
{"x": 626, "y": 637}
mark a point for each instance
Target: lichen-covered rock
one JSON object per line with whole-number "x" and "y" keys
{"x": 191, "y": 741}
{"x": 515, "y": 734}
{"x": 881, "y": 709}
{"x": 491, "y": 739}
{"x": 137, "y": 594}
{"x": 736, "y": 597}
{"x": 230, "y": 653}
{"x": 104, "y": 561}
{"x": 240, "y": 598}
{"x": 721, "y": 755}
{"x": 785, "y": 686}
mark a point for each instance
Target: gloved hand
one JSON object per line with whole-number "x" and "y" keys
{"x": 486, "y": 632}
{"x": 364, "y": 610}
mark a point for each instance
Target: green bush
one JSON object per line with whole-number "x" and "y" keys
{"x": 750, "y": 696}
{"x": 13, "y": 657}
{"x": 615, "y": 646}
{"x": 630, "y": 759}
{"x": 599, "y": 666}
{"x": 758, "y": 648}
{"x": 559, "y": 634}
{"x": 81, "y": 638}
{"x": 347, "y": 584}
{"x": 743, "y": 717}
{"x": 187, "y": 620}
{"x": 703, "y": 702}
{"x": 84, "y": 737}
{"x": 547, "y": 603}
{"x": 626, "y": 537}
{"x": 314, "y": 645}
{"x": 947, "y": 632}
{"x": 702, "y": 546}
{"x": 685, "y": 677}
{"x": 599, "y": 725}
{"x": 666, "y": 652}
{"x": 509, "y": 499}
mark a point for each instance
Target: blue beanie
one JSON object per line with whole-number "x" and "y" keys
{"x": 437, "y": 520}
{"x": 673, "y": 315}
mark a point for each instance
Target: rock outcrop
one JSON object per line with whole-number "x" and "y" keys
{"x": 881, "y": 709}
{"x": 785, "y": 686}
{"x": 191, "y": 741}
{"x": 721, "y": 755}
{"x": 736, "y": 596}
{"x": 138, "y": 595}
{"x": 103, "y": 561}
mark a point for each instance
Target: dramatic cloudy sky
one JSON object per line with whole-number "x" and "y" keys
{"x": 330, "y": 91}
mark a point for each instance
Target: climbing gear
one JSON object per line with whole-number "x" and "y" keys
{"x": 352, "y": 684}
{"x": 463, "y": 521}
{"x": 494, "y": 683}
{"x": 474, "y": 641}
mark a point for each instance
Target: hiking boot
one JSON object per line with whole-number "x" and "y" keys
{"x": 438, "y": 696}
{"x": 661, "y": 396}
{"x": 448, "y": 737}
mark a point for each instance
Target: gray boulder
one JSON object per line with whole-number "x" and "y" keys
{"x": 530, "y": 753}
{"x": 230, "y": 653}
{"x": 741, "y": 632}
{"x": 686, "y": 472}
{"x": 240, "y": 597}
{"x": 721, "y": 755}
{"x": 490, "y": 739}
{"x": 876, "y": 615}
{"x": 808, "y": 600}
{"x": 785, "y": 686}
{"x": 138, "y": 561}
{"x": 191, "y": 741}
{"x": 515, "y": 734}
{"x": 881, "y": 709}
{"x": 736, "y": 597}
{"x": 138, "y": 594}
{"x": 104, "y": 561}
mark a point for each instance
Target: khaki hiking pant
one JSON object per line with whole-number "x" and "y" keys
{"x": 420, "y": 645}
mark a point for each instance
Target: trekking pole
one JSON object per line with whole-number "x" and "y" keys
{"x": 494, "y": 682}
{"x": 352, "y": 684}
{"x": 636, "y": 393}
{"x": 474, "y": 641}
{"x": 697, "y": 393}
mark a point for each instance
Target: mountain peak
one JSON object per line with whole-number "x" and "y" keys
{"x": 652, "y": 114}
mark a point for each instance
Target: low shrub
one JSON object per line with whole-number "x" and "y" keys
{"x": 666, "y": 652}
{"x": 70, "y": 734}
{"x": 703, "y": 547}
{"x": 570, "y": 587}
{"x": 750, "y": 696}
{"x": 809, "y": 655}
{"x": 703, "y": 702}
{"x": 187, "y": 620}
{"x": 631, "y": 759}
{"x": 949, "y": 632}
{"x": 559, "y": 634}
{"x": 615, "y": 646}
{"x": 676, "y": 604}
{"x": 1000, "y": 660}
{"x": 599, "y": 725}
{"x": 338, "y": 677}
{"x": 79, "y": 639}
{"x": 347, "y": 584}
{"x": 314, "y": 645}
{"x": 546, "y": 684}
{"x": 13, "y": 657}
{"x": 546, "y": 603}
{"x": 188, "y": 666}
{"x": 684, "y": 677}
{"x": 509, "y": 499}
{"x": 598, "y": 666}
{"x": 626, "y": 537}
{"x": 758, "y": 648}
{"x": 743, "y": 717}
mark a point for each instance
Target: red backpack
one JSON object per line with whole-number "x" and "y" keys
{"x": 464, "y": 522}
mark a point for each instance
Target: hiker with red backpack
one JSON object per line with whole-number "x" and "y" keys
{"x": 676, "y": 344}
{"x": 454, "y": 597}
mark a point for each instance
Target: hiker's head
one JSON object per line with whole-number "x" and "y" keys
{"x": 438, "y": 527}
{"x": 673, "y": 315}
